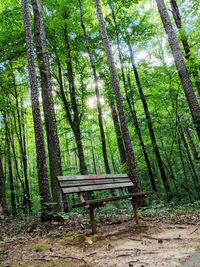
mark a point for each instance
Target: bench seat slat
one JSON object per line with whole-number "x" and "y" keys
{"x": 109, "y": 199}
{"x": 92, "y": 177}
{"x": 78, "y": 189}
{"x": 92, "y": 182}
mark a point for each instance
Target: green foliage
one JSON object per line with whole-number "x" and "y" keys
{"x": 137, "y": 21}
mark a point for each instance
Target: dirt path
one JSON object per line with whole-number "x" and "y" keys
{"x": 123, "y": 245}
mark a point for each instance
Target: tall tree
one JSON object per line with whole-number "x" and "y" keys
{"x": 74, "y": 117}
{"x": 48, "y": 105}
{"x": 180, "y": 65}
{"x": 131, "y": 107}
{"x": 96, "y": 84}
{"x": 115, "y": 82}
{"x": 45, "y": 198}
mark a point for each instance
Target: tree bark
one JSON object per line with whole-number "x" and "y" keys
{"x": 115, "y": 82}
{"x": 180, "y": 66}
{"x": 48, "y": 105}
{"x": 45, "y": 198}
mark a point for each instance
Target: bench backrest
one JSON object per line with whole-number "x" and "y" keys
{"x": 86, "y": 183}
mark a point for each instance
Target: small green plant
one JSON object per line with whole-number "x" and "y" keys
{"x": 41, "y": 247}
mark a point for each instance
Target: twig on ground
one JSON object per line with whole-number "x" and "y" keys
{"x": 90, "y": 254}
{"x": 162, "y": 239}
{"x": 69, "y": 257}
{"x": 194, "y": 231}
{"x": 134, "y": 239}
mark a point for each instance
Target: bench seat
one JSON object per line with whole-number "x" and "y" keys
{"x": 89, "y": 183}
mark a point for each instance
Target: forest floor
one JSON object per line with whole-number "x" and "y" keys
{"x": 158, "y": 241}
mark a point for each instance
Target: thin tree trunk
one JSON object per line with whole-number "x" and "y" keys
{"x": 184, "y": 39}
{"x": 180, "y": 65}
{"x": 74, "y": 123}
{"x": 12, "y": 143}
{"x": 194, "y": 173}
{"x": 132, "y": 109}
{"x": 11, "y": 179}
{"x": 124, "y": 127}
{"x": 142, "y": 144}
{"x": 48, "y": 105}
{"x": 194, "y": 151}
{"x": 118, "y": 133}
{"x": 184, "y": 170}
{"x": 24, "y": 158}
{"x": 96, "y": 81}
{"x": 150, "y": 126}
{"x": 22, "y": 144}
{"x": 2, "y": 187}
{"x": 45, "y": 198}
{"x": 93, "y": 155}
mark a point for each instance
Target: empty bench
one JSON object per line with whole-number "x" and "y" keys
{"x": 89, "y": 183}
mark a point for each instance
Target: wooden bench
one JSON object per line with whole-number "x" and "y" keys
{"x": 89, "y": 183}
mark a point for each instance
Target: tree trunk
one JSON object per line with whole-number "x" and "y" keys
{"x": 124, "y": 127}
{"x": 45, "y": 198}
{"x": 132, "y": 109}
{"x": 180, "y": 65}
{"x": 24, "y": 157}
{"x": 118, "y": 133}
{"x": 2, "y": 187}
{"x": 48, "y": 105}
{"x": 194, "y": 173}
{"x": 194, "y": 151}
{"x": 184, "y": 40}
{"x": 95, "y": 76}
{"x": 11, "y": 180}
{"x": 150, "y": 126}
{"x": 184, "y": 170}
{"x": 93, "y": 155}
{"x": 74, "y": 123}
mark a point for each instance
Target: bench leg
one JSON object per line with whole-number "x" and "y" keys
{"x": 135, "y": 210}
{"x": 92, "y": 219}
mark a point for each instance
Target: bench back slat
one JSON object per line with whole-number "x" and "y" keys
{"x": 85, "y": 183}
{"x": 93, "y": 182}
{"x": 91, "y": 177}
{"x": 77, "y": 189}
